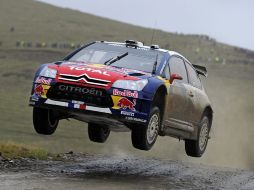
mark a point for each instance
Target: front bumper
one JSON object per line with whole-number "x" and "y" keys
{"x": 79, "y": 102}
{"x": 88, "y": 113}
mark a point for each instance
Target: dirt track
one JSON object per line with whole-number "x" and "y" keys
{"x": 116, "y": 172}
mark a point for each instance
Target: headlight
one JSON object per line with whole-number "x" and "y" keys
{"x": 48, "y": 72}
{"x": 131, "y": 85}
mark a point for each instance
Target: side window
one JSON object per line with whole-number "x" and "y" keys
{"x": 177, "y": 66}
{"x": 193, "y": 77}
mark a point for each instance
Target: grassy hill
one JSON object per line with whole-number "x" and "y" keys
{"x": 229, "y": 86}
{"x": 32, "y": 21}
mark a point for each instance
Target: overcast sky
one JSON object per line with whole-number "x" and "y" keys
{"x": 229, "y": 21}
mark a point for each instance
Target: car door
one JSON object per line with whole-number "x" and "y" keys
{"x": 177, "y": 98}
{"x": 194, "y": 90}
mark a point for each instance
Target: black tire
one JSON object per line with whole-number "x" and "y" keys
{"x": 140, "y": 136}
{"x": 196, "y": 148}
{"x": 98, "y": 133}
{"x": 44, "y": 121}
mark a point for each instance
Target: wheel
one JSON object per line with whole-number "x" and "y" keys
{"x": 44, "y": 121}
{"x": 98, "y": 133}
{"x": 143, "y": 137}
{"x": 196, "y": 148}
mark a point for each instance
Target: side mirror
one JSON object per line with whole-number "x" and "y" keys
{"x": 175, "y": 76}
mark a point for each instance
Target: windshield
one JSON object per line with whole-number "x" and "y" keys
{"x": 138, "y": 59}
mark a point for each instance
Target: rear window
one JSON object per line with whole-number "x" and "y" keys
{"x": 193, "y": 76}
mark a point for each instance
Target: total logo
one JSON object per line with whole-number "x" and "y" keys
{"x": 125, "y": 103}
{"x": 126, "y": 93}
{"x": 89, "y": 70}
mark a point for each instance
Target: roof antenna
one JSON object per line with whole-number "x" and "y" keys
{"x": 155, "y": 65}
{"x": 155, "y": 24}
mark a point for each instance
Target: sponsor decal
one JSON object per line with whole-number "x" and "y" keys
{"x": 34, "y": 98}
{"x": 126, "y": 93}
{"x": 136, "y": 119}
{"x": 32, "y": 103}
{"x": 92, "y": 70}
{"x": 125, "y": 103}
{"x": 80, "y": 90}
{"x": 127, "y": 113}
{"x": 77, "y": 106}
{"x": 90, "y": 108}
{"x": 38, "y": 90}
{"x": 41, "y": 90}
{"x": 77, "y": 102}
{"x": 43, "y": 80}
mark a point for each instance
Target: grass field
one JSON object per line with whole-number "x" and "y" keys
{"x": 230, "y": 86}
{"x": 12, "y": 151}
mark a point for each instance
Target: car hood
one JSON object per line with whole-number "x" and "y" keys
{"x": 94, "y": 74}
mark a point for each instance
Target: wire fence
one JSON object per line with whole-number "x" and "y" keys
{"x": 54, "y": 45}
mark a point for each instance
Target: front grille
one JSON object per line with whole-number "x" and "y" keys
{"x": 85, "y": 78}
{"x": 89, "y": 95}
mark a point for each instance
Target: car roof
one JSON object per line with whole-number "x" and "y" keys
{"x": 171, "y": 53}
{"x": 140, "y": 46}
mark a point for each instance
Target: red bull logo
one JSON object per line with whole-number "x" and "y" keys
{"x": 41, "y": 90}
{"x": 43, "y": 80}
{"x": 38, "y": 90}
{"x": 127, "y": 93}
{"x": 126, "y": 103}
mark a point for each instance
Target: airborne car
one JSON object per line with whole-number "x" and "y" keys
{"x": 125, "y": 87}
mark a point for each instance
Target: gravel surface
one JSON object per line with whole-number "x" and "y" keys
{"x": 80, "y": 171}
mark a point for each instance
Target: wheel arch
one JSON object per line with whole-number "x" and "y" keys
{"x": 160, "y": 92}
{"x": 209, "y": 112}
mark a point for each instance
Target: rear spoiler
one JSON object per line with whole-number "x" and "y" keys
{"x": 201, "y": 70}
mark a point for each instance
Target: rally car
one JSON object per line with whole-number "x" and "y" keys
{"x": 126, "y": 86}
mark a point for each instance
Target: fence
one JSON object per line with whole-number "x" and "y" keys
{"x": 54, "y": 45}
